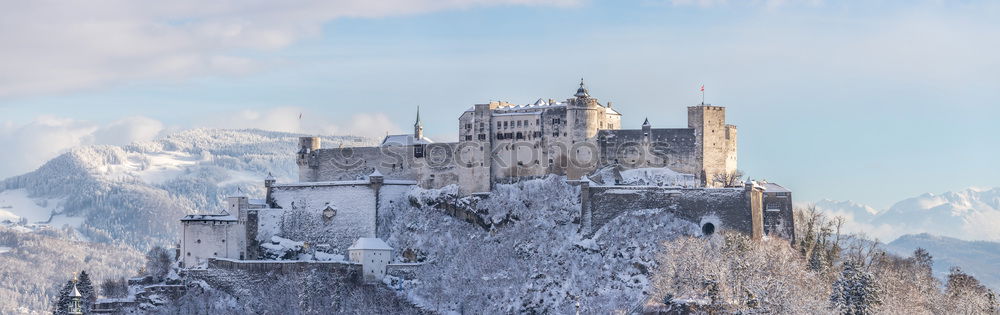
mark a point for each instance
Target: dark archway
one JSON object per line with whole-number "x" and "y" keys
{"x": 708, "y": 229}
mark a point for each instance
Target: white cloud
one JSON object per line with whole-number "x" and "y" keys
{"x": 287, "y": 119}
{"x": 45, "y": 137}
{"x": 31, "y": 144}
{"x": 763, "y": 3}
{"x": 128, "y": 130}
{"x": 65, "y": 45}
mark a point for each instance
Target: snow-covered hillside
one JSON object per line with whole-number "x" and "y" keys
{"x": 136, "y": 193}
{"x": 971, "y": 214}
{"x": 536, "y": 264}
{"x": 133, "y": 196}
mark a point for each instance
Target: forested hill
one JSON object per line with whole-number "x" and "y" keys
{"x": 136, "y": 193}
{"x": 126, "y": 198}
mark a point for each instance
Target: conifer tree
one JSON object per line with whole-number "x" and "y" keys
{"x": 86, "y": 288}
{"x": 856, "y": 292}
{"x": 60, "y": 305}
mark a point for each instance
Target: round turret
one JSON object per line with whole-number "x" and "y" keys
{"x": 582, "y": 92}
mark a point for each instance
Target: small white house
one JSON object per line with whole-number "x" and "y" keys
{"x": 373, "y": 254}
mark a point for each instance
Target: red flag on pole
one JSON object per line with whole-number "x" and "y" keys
{"x": 703, "y": 88}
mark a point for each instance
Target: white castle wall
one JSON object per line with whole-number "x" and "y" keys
{"x": 298, "y": 212}
{"x": 204, "y": 239}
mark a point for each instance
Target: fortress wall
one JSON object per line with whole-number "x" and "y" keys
{"x": 357, "y": 162}
{"x": 348, "y": 269}
{"x": 779, "y": 218}
{"x": 300, "y": 216}
{"x": 299, "y": 211}
{"x": 725, "y": 208}
{"x": 439, "y": 164}
{"x": 462, "y": 163}
{"x": 211, "y": 238}
{"x": 672, "y": 148}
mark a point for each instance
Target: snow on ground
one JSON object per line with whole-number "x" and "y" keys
{"x": 16, "y": 204}
{"x": 647, "y": 176}
{"x": 153, "y": 168}
{"x": 161, "y": 167}
{"x": 5, "y": 249}
{"x": 538, "y": 263}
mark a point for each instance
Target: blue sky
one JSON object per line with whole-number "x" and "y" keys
{"x": 872, "y": 101}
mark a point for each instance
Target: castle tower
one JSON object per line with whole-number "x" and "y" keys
{"x": 715, "y": 141}
{"x": 418, "y": 127}
{"x": 306, "y": 159}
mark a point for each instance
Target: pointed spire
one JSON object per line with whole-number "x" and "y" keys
{"x": 76, "y": 292}
{"x": 418, "y": 127}
{"x": 418, "y": 123}
{"x": 646, "y": 123}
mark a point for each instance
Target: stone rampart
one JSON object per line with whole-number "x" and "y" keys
{"x": 266, "y": 266}
{"x": 713, "y": 209}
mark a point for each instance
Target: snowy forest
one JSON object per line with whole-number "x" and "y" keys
{"x": 537, "y": 263}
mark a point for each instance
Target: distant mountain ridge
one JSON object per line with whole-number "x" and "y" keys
{"x": 970, "y": 214}
{"x": 978, "y": 258}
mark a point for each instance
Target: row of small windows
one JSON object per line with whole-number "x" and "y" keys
{"x": 518, "y": 135}
{"x": 512, "y": 124}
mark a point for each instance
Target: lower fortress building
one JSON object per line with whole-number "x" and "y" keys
{"x": 686, "y": 171}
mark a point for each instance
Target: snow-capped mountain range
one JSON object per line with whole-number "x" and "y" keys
{"x": 971, "y": 214}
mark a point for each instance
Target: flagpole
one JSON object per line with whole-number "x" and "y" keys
{"x": 702, "y": 95}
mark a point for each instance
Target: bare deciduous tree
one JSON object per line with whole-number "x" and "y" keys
{"x": 728, "y": 179}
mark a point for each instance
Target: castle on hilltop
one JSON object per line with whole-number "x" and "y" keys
{"x": 503, "y": 142}
{"x": 688, "y": 172}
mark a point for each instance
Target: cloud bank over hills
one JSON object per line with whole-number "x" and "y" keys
{"x": 48, "y": 136}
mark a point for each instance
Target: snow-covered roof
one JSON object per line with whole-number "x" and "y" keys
{"x": 208, "y": 217}
{"x": 369, "y": 243}
{"x": 256, "y": 202}
{"x": 76, "y": 293}
{"x": 392, "y": 140}
{"x": 772, "y": 187}
{"x": 346, "y": 182}
{"x": 517, "y": 113}
{"x": 610, "y": 110}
